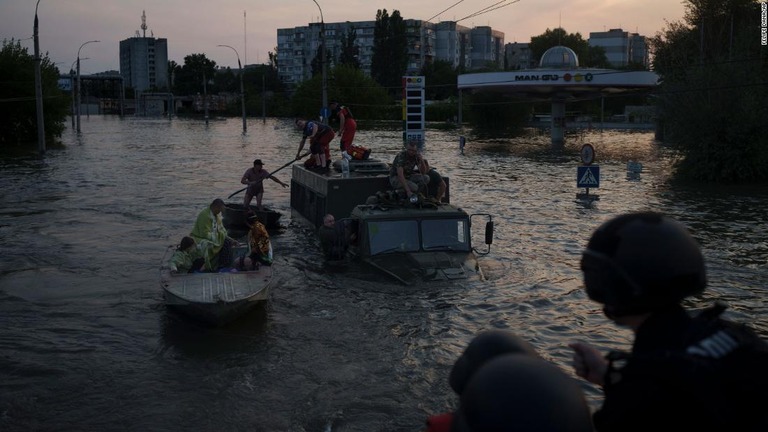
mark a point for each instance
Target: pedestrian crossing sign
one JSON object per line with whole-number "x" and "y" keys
{"x": 588, "y": 176}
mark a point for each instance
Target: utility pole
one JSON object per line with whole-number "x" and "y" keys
{"x": 78, "y": 82}
{"x": 322, "y": 61}
{"x": 242, "y": 89}
{"x": 39, "y": 89}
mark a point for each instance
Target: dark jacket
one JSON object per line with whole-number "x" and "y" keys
{"x": 684, "y": 373}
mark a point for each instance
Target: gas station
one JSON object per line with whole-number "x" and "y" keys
{"x": 560, "y": 80}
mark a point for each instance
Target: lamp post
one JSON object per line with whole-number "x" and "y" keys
{"x": 39, "y": 89}
{"x": 78, "y": 82}
{"x": 322, "y": 61}
{"x": 242, "y": 89}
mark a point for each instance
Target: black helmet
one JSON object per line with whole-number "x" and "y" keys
{"x": 482, "y": 348}
{"x": 641, "y": 262}
{"x": 518, "y": 392}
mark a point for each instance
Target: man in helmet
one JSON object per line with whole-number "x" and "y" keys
{"x": 685, "y": 372}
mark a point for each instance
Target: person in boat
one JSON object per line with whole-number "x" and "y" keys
{"x": 211, "y": 237}
{"x": 259, "y": 246}
{"x": 347, "y": 129}
{"x": 254, "y": 177}
{"x": 334, "y": 238}
{"x": 436, "y": 186}
{"x": 187, "y": 258}
{"x": 685, "y": 371}
{"x": 320, "y": 137}
{"x": 483, "y": 347}
{"x": 402, "y": 174}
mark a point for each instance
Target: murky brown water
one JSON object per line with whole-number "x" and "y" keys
{"x": 87, "y": 344}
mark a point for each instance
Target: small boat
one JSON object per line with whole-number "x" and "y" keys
{"x": 235, "y": 217}
{"x": 215, "y": 298}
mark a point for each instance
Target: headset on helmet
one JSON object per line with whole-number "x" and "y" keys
{"x": 640, "y": 262}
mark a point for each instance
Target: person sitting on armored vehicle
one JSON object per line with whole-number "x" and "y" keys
{"x": 402, "y": 174}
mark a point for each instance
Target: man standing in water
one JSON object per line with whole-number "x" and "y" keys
{"x": 685, "y": 372}
{"x": 254, "y": 178}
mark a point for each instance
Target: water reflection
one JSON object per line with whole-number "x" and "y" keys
{"x": 83, "y": 231}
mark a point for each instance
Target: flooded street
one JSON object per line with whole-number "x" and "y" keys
{"x": 86, "y": 342}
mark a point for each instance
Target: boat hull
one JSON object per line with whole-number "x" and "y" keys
{"x": 216, "y": 298}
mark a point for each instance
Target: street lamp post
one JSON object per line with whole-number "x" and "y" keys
{"x": 74, "y": 86}
{"x": 78, "y": 82}
{"x": 39, "y": 89}
{"x": 322, "y": 61}
{"x": 242, "y": 89}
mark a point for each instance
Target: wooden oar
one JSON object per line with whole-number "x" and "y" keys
{"x": 270, "y": 174}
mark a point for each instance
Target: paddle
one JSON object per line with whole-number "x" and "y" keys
{"x": 272, "y": 173}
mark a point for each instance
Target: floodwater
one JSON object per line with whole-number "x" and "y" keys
{"x": 86, "y": 342}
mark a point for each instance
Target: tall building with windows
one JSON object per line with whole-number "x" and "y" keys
{"x": 144, "y": 61}
{"x": 426, "y": 42}
{"x": 621, "y": 47}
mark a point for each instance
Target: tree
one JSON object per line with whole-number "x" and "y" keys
{"x": 189, "y": 78}
{"x": 366, "y": 98}
{"x": 440, "y": 78}
{"x": 18, "y": 110}
{"x": 588, "y": 56}
{"x": 350, "y": 52}
{"x": 390, "y": 50}
{"x": 713, "y": 91}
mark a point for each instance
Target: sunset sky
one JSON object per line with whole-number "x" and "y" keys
{"x": 194, "y": 26}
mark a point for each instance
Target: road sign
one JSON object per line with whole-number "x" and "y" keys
{"x": 588, "y": 176}
{"x": 587, "y": 154}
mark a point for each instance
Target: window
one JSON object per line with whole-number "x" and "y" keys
{"x": 393, "y": 236}
{"x": 445, "y": 234}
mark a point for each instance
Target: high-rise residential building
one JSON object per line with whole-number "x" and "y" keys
{"x": 426, "y": 42}
{"x": 453, "y": 44}
{"x": 144, "y": 61}
{"x": 621, "y": 47}
{"x": 518, "y": 56}
{"x": 487, "y": 48}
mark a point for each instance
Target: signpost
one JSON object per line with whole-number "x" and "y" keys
{"x": 587, "y": 175}
{"x": 413, "y": 109}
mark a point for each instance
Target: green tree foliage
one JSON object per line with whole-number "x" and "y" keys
{"x": 714, "y": 90}
{"x": 390, "y": 50}
{"x": 588, "y": 56}
{"x": 18, "y": 109}
{"x": 317, "y": 61}
{"x": 189, "y": 78}
{"x": 350, "y": 86}
{"x": 350, "y": 52}
{"x": 440, "y": 78}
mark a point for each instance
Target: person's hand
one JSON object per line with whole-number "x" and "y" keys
{"x": 589, "y": 363}
{"x": 284, "y": 185}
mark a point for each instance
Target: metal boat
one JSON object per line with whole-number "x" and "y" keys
{"x": 214, "y": 298}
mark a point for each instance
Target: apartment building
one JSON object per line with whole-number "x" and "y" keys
{"x": 426, "y": 42}
{"x": 621, "y": 47}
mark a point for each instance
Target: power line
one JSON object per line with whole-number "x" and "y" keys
{"x": 487, "y": 9}
{"x": 446, "y": 9}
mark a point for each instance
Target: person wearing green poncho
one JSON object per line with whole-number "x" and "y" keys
{"x": 211, "y": 237}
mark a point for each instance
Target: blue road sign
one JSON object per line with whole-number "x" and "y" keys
{"x": 588, "y": 176}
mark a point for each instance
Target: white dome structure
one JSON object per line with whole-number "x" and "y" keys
{"x": 559, "y": 57}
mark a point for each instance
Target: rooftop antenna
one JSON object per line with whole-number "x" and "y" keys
{"x": 144, "y": 22}
{"x": 560, "y": 25}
